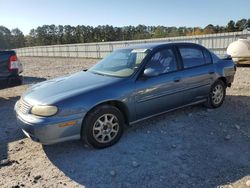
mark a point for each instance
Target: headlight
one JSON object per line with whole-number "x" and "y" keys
{"x": 44, "y": 110}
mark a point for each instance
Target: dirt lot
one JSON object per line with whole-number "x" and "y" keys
{"x": 191, "y": 147}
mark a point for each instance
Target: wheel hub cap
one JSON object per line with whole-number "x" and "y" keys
{"x": 106, "y": 128}
{"x": 217, "y": 94}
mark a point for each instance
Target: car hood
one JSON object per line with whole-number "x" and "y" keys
{"x": 51, "y": 91}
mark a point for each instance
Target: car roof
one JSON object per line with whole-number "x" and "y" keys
{"x": 154, "y": 45}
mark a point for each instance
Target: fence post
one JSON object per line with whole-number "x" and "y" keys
{"x": 98, "y": 53}
{"x": 76, "y": 50}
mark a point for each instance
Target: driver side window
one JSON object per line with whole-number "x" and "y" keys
{"x": 163, "y": 61}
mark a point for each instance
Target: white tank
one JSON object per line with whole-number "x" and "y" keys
{"x": 240, "y": 51}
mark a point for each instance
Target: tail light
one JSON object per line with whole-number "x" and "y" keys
{"x": 13, "y": 63}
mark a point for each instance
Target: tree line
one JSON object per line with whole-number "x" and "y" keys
{"x": 52, "y": 34}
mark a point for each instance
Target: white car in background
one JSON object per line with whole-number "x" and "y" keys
{"x": 240, "y": 51}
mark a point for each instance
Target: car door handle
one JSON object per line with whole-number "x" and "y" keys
{"x": 211, "y": 72}
{"x": 177, "y": 80}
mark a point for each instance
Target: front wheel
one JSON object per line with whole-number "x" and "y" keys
{"x": 103, "y": 126}
{"x": 216, "y": 95}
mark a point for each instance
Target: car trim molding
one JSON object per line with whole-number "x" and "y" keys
{"x": 148, "y": 117}
{"x": 147, "y": 98}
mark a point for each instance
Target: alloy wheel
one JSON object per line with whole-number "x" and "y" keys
{"x": 217, "y": 94}
{"x": 106, "y": 128}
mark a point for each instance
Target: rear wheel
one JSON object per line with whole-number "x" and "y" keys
{"x": 103, "y": 126}
{"x": 217, "y": 94}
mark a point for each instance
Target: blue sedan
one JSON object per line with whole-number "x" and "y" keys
{"x": 129, "y": 85}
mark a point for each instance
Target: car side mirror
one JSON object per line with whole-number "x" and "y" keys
{"x": 151, "y": 72}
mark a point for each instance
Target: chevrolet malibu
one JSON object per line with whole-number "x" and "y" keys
{"x": 129, "y": 85}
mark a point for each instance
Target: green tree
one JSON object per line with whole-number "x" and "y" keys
{"x": 182, "y": 31}
{"x": 69, "y": 34}
{"x": 17, "y": 38}
{"x": 231, "y": 26}
{"x": 241, "y": 24}
{"x": 172, "y": 32}
{"x": 141, "y": 32}
{"x": 79, "y": 31}
{"x": 159, "y": 32}
{"x": 248, "y": 23}
{"x": 5, "y": 38}
{"x": 209, "y": 29}
{"x": 52, "y": 34}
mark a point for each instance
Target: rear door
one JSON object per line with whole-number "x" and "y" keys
{"x": 197, "y": 72}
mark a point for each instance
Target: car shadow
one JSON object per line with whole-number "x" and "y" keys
{"x": 191, "y": 147}
{"x": 9, "y": 131}
{"x": 32, "y": 80}
{"x": 26, "y": 81}
{"x": 243, "y": 65}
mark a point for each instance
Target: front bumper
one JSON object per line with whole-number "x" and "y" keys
{"x": 50, "y": 130}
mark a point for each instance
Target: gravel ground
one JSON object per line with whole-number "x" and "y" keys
{"x": 191, "y": 147}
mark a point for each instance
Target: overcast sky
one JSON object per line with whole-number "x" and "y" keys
{"x": 28, "y": 14}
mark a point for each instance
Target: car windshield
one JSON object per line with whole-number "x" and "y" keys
{"x": 120, "y": 63}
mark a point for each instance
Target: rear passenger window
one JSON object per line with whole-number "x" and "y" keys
{"x": 191, "y": 57}
{"x": 207, "y": 56}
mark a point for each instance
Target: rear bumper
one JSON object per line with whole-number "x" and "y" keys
{"x": 10, "y": 81}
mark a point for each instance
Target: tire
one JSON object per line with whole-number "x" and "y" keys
{"x": 103, "y": 126}
{"x": 216, "y": 95}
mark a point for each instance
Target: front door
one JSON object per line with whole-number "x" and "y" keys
{"x": 159, "y": 93}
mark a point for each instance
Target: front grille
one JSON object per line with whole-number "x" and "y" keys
{"x": 23, "y": 107}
